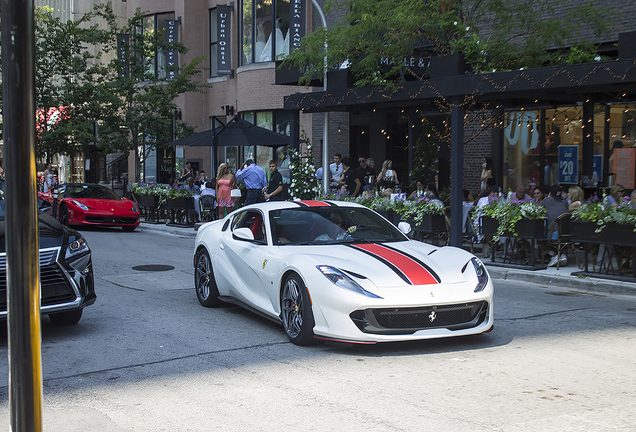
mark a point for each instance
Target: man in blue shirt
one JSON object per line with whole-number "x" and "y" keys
{"x": 254, "y": 178}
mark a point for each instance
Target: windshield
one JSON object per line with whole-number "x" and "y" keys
{"x": 88, "y": 191}
{"x": 329, "y": 225}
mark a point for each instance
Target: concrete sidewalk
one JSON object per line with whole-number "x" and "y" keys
{"x": 549, "y": 276}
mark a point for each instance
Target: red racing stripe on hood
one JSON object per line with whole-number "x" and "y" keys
{"x": 414, "y": 271}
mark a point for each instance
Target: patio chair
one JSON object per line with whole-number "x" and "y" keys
{"x": 469, "y": 232}
{"x": 563, "y": 242}
{"x": 207, "y": 208}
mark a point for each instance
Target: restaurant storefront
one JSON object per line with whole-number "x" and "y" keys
{"x": 555, "y": 123}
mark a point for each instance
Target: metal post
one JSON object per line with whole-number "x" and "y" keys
{"x": 457, "y": 171}
{"x": 23, "y": 284}
{"x": 326, "y": 173}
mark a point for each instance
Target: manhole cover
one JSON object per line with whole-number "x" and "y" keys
{"x": 153, "y": 267}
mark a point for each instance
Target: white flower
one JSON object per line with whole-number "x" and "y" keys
{"x": 455, "y": 23}
{"x": 597, "y": 58}
{"x": 467, "y": 28}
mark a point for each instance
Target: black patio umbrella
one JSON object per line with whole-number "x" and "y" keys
{"x": 237, "y": 132}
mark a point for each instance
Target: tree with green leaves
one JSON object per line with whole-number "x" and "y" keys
{"x": 374, "y": 36}
{"x": 492, "y": 35}
{"x": 136, "y": 108}
{"x": 76, "y": 87}
{"x": 63, "y": 59}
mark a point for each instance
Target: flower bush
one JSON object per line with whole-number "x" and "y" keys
{"x": 508, "y": 213}
{"x": 416, "y": 210}
{"x": 599, "y": 212}
{"x": 153, "y": 189}
{"x": 179, "y": 191}
{"x": 413, "y": 210}
{"x": 304, "y": 184}
{"x": 164, "y": 192}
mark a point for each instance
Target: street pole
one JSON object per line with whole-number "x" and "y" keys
{"x": 21, "y": 233}
{"x": 326, "y": 173}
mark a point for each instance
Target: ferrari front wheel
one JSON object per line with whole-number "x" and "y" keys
{"x": 204, "y": 283}
{"x": 298, "y": 318}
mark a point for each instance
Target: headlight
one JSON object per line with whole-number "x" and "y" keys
{"x": 482, "y": 275}
{"x": 75, "y": 248}
{"x": 133, "y": 208}
{"x": 343, "y": 281}
{"x": 80, "y": 205}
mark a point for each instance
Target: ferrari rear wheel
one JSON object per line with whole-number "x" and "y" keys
{"x": 63, "y": 215}
{"x": 204, "y": 283}
{"x": 298, "y": 318}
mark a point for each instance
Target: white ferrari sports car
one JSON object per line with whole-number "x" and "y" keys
{"x": 338, "y": 271}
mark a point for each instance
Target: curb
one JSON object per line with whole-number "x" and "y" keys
{"x": 161, "y": 228}
{"x": 580, "y": 283}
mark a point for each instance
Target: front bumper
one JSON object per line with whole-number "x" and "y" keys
{"x": 61, "y": 289}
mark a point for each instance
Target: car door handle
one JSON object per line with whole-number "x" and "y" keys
{"x": 222, "y": 246}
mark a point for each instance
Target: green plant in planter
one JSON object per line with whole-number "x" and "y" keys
{"x": 416, "y": 210}
{"x": 508, "y": 213}
{"x": 601, "y": 213}
{"x": 152, "y": 189}
{"x": 179, "y": 191}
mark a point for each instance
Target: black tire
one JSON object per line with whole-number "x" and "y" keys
{"x": 63, "y": 215}
{"x": 204, "y": 283}
{"x": 129, "y": 228}
{"x": 296, "y": 313}
{"x": 66, "y": 318}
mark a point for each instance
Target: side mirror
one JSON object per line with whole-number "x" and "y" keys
{"x": 243, "y": 234}
{"x": 405, "y": 227}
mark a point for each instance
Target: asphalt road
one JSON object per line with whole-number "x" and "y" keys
{"x": 148, "y": 357}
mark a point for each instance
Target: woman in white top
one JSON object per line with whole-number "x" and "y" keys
{"x": 49, "y": 178}
{"x": 576, "y": 196}
{"x": 387, "y": 178}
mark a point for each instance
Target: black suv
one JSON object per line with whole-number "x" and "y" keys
{"x": 66, "y": 270}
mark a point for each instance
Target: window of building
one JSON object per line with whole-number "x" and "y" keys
{"x": 264, "y": 30}
{"x": 155, "y": 62}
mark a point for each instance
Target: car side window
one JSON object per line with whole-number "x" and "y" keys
{"x": 254, "y": 221}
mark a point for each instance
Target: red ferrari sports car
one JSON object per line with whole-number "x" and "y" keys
{"x": 93, "y": 204}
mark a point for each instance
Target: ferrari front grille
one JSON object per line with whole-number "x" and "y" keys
{"x": 110, "y": 220}
{"x": 409, "y": 320}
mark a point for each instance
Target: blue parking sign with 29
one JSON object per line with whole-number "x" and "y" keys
{"x": 568, "y": 164}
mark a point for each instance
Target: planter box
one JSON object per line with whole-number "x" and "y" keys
{"x": 180, "y": 203}
{"x": 532, "y": 228}
{"x": 488, "y": 226}
{"x": 613, "y": 234}
{"x": 525, "y": 228}
{"x": 430, "y": 223}
{"x": 149, "y": 200}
